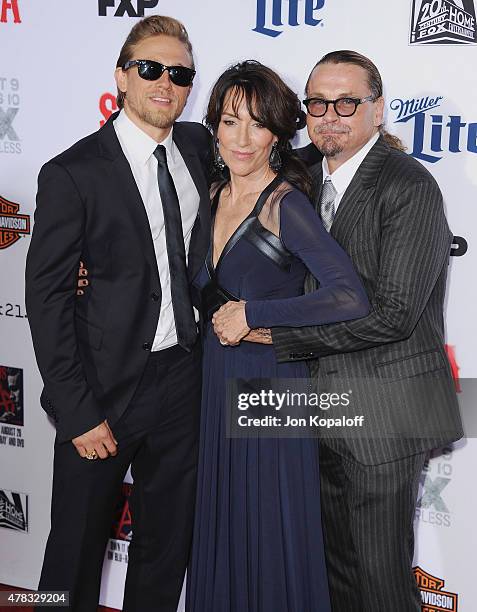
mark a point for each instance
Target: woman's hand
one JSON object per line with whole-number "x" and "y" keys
{"x": 230, "y": 323}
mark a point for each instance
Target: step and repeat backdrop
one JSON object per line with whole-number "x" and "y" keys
{"x": 56, "y": 85}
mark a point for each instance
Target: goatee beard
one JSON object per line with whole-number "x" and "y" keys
{"x": 329, "y": 147}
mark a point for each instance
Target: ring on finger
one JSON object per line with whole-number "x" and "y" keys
{"x": 91, "y": 455}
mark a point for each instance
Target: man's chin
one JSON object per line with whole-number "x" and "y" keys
{"x": 160, "y": 121}
{"x": 328, "y": 146}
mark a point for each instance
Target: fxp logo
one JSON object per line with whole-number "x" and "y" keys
{"x": 271, "y": 19}
{"x": 131, "y": 8}
{"x": 447, "y": 22}
{"x": 434, "y": 132}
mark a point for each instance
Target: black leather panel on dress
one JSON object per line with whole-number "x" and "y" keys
{"x": 268, "y": 244}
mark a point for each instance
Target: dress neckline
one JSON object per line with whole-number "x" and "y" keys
{"x": 241, "y": 228}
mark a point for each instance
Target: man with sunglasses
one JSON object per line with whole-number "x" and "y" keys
{"x": 386, "y": 211}
{"x": 121, "y": 362}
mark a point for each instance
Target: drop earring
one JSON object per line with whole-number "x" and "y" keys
{"x": 218, "y": 159}
{"x": 275, "y": 160}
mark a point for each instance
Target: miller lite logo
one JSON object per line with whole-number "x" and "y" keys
{"x": 273, "y": 15}
{"x": 12, "y": 224}
{"x": 433, "y": 596}
{"x": 443, "y": 22}
{"x": 14, "y": 510}
{"x": 434, "y": 132}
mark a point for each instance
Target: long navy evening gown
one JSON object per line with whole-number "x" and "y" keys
{"x": 258, "y": 543}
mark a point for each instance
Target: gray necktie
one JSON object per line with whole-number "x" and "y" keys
{"x": 327, "y": 203}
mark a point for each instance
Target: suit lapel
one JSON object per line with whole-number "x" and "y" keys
{"x": 359, "y": 193}
{"x": 200, "y": 233}
{"x": 353, "y": 203}
{"x": 130, "y": 197}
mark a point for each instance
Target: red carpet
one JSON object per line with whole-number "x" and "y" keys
{"x": 27, "y": 609}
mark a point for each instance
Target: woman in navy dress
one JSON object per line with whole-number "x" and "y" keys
{"x": 258, "y": 543}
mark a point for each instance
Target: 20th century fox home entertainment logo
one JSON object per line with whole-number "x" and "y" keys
{"x": 443, "y": 22}
{"x": 13, "y": 510}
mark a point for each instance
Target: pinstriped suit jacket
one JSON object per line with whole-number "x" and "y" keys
{"x": 391, "y": 222}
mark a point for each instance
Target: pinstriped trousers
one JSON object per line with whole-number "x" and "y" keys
{"x": 367, "y": 514}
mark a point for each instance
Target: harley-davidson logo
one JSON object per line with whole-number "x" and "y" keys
{"x": 433, "y": 596}
{"x": 12, "y": 224}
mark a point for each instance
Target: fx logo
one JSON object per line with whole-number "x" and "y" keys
{"x": 6, "y": 120}
{"x": 126, "y": 6}
{"x": 270, "y": 12}
{"x": 432, "y": 494}
{"x": 10, "y": 5}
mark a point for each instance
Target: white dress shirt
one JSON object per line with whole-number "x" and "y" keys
{"x": 342, "y": 176}
{"x": 138, "y": 148}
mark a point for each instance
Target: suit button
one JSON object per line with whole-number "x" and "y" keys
{"x": 154, "y": 297}
{"x": 146, "y": 346}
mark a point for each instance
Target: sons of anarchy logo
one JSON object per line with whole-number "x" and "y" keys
{"x": 13, "y": 225}
{"x": 443, "y": 22}
{"x": 121, "y": 532}
{"x": 107, "y": 106}
{"x": 433, "y": 596}
{"x": 14, "y": 510}
{"x": 9, "y": 11}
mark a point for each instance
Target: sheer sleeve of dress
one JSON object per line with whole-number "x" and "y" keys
{"x": 340, "y": 296}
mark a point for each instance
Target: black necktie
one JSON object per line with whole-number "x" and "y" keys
{"x": 186, "y": 327}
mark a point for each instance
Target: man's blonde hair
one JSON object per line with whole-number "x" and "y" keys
{"x": 147, "y": 27}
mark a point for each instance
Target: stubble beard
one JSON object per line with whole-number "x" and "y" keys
{"x": 157, "y": 119}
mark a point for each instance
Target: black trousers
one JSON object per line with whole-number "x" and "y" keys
{"x": 158, "y": 436}
{"x": 368, "y": 513}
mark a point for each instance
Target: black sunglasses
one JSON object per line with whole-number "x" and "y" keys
{"x": 151, "y": 71}
{"x": 344, "y": 107}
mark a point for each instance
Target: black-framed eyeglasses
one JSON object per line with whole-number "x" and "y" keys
{"x": 151, "y": 71}
{"x": 344, "y": 107}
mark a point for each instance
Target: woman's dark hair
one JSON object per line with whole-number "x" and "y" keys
{"x": 270, "y": 102}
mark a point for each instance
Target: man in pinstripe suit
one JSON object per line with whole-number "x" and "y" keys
{"x": 386, "y": 211}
